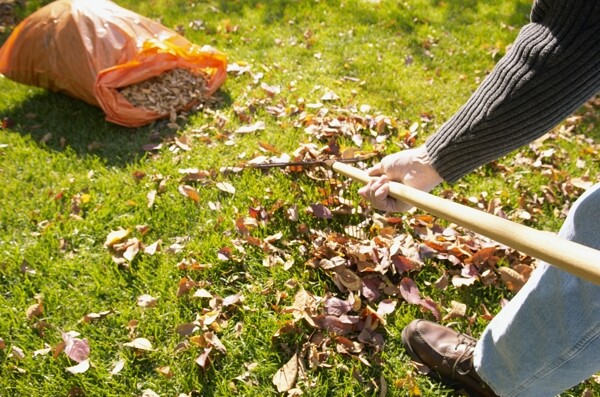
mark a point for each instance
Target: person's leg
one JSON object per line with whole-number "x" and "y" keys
{"x": 547, "y": 339}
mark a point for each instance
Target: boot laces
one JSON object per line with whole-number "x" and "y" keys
{"x": 465, "y": 356}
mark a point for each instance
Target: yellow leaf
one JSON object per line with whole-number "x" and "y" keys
{"x": 115, "y": 236}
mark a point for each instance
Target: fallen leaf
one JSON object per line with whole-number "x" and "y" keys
{"x": 513, "y": 280}
{"x": 320, "y": 211}
{"x": 410, "y": 293}
{"x": 202, "y": 293}
{"x": 330, "y": 96}
{"x": 247, "y": 129}
{"x": 226, "y": 187}
{"x": 190, "y": 192}
{"x": 348, "y": 278}
{"x": 203, "y": 360}
{"x": 186, "y": 329}
{"x": 119, "y": 365}
{"x": 140, "y": 344}
{"x": 337, "y": 307}
{"x": 146, "y": 301}
{"x": 386, "y": 306}
{"x": 582, "y": 183}
{"x": 457, "y": 310}
{"x": 153, "y": 248}
{"x": 95, "y": 316}
{"x": 42, "y": 352}
{"x": 132, "y": 250}
{"x": 76, "y": 349}
{"x": 285, "y": 377}
{"x": 149, "y": 393}
{"x": 17, "y": 353}
{"x": 115, "y": 236}
{"x": 79, "y": 368}
{"x": 215, "y": 341}
{"x": 165, "y": 371}
{"x": 232, "y": 300}
{"x": 151, "y": 197}
{"x": 35, "y": 310}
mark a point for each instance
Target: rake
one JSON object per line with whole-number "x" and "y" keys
{"x": 569, "y": 256}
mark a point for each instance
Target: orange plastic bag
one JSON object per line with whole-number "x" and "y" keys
{"x": 89, "y": 48}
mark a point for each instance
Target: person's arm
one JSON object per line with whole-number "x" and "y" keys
{"x": 552, "y": 68}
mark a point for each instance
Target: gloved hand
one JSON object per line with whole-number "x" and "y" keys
{"x": 410, "y": 167}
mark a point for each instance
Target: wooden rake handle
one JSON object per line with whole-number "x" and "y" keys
{"x": 572, "y": 257}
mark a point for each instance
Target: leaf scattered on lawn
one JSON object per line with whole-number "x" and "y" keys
{"x": 16, "y": 353}
{"x": 151, "y": 197}
{"x": 76, "y": 349}
{"x": 247, "y": 129}
{"x": 80, "y": 368}
{"x": 203, "y": 360}
{"x": 202, "y": 293}
{"x": 153, "y": 248}
{"x": 149, "y": 393}
{"x": 147, "y": 301}
{"x": 226, "y": 187}
{"x": 457, "y": 310}
{"x": 190, "y": 192}
{"x": 330, "y": 96}
{"x": 119, "y": 365}
{"x": 285, "y": 377}
{"x": 140, "y": 344}
{"x": 165, "y": 371}
{"x": 320, "y": 211}
{"x": 95, "y": 316}
{"x": 35, "y": 310}
{"x": 115, "y": 236}
{"x": 42, "y": 352}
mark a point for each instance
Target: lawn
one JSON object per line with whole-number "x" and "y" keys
{"x": 186, "y": 271}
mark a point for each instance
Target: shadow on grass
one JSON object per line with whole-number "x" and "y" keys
{"x": 59, "y": 123}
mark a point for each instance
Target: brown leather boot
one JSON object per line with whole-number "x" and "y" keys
{"x": 446, "y": 352}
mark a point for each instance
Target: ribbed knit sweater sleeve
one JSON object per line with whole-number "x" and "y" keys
{"x": 552, "y": 68}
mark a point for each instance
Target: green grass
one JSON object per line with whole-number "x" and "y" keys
{"x": 411, "y": 59}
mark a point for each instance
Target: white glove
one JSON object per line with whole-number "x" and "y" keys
{"x": 410, "y": 167}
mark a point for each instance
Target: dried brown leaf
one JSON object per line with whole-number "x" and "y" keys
{"x": 203, "y": 360}
{"x": 35, "y": 310}
{"x": 457, "y": 310}
{"x": 190, "y": 191}
{"x": 513, "y": 280}
{"x": 285, "y": 377}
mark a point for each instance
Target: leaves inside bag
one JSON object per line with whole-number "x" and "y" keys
{"x": 174, "y": 90}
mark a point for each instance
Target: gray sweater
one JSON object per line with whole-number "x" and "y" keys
{"x": 552, "y": 68}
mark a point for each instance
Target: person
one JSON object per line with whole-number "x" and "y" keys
{"x": 547, "y": 338}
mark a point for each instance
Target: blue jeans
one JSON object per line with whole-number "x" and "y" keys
{"x": 547, "y": 339}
